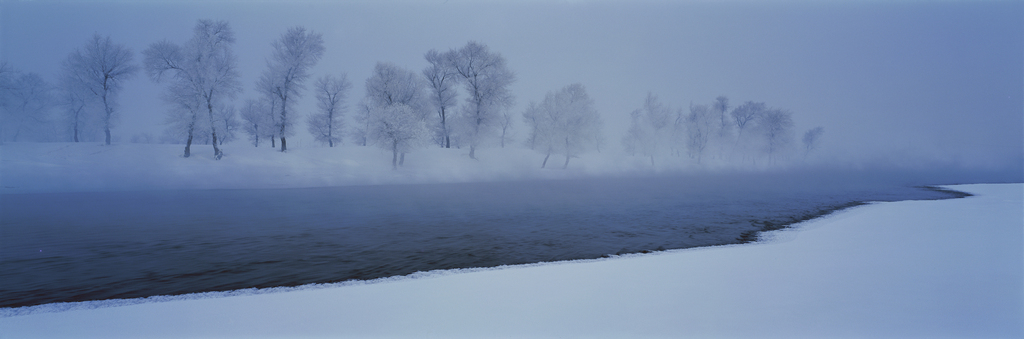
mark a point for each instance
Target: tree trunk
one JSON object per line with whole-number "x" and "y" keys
{"x": 213, "y": 129}
{"x": 108, "y": 111}
{"x": 401, "y": 161}
{"x": 188, "y": 144}
{"x": 394, "y": 156}
{"x": 472, "y": 152}
{"x": 273, "y": 142}
{"x": 545, "y": 163}
{"x": 652, "y": 160}
{"x": 216, "y": 151}
{"x": 566, "y": 162}
{"x": 284, "y": 146}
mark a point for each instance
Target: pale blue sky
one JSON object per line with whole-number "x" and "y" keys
{"x": 906, "y": 83}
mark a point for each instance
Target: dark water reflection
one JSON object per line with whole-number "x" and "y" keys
{"x": 88, "y": 246}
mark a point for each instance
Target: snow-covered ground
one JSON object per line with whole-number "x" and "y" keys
{"x": 53, "y": 167}
{"x": 947, "y": 268}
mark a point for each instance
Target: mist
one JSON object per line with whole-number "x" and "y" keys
{"x": 906, "y": 85}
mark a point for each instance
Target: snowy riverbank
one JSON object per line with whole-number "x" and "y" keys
{"x": 91, "y": 167}
{"x": 64, "y": 167}
{"x": 947, "y": 268}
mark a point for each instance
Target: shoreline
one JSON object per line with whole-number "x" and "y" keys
{"x": 929, "y": 272}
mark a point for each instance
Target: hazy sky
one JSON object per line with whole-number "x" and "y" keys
{"x": 905, "y": 83}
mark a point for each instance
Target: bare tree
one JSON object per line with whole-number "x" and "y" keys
{"x": 227, "y": 121}
{"x": 74, "y": 99}
{"x": 486, "y": 78}
{"x": 397, "y": 128}
{"x": 256, "y": 117}
{"x": 101, "y": 67}
{"x": 361, "y": 131}
{"x": 650, "y": 130}
{"x": 747, "y": 112}
{"x": 776, "y": 126}
{"x": 442, "y": 77}
{"x": 394, "y": 102}
{"x": 203, "y": 74}
{"x": 700, "y": 125}
{"x": 326, "y": 126}
{"x": 294, "y": 54}
{"x": 564, "y": 123}
{"x": 27, "y": 103}
{"x": 811, "y": 139}
{"x": 720, "y": 109}
{"x": 506, "y": 121}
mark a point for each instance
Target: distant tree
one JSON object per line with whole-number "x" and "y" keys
{"x": 506, "y": 121}
{"x": 719, "y": 110}
{"x": 326, "y": 126}
{"x": 487, "y": 78}
{"x": 776, "y": 126}
{"x": 397, "y": 128}
{"x": 26, "y": 109}
{"x": 650, "y": 129}
{"x": 442, "y": 77}
{"x": 564, "y": 123}
{"x": 74, "y": 99}
{"x": 101, "y": 67}
{"x": 747, "y": 112}
{"x": 294, "y": 54}
{"x": 701, "y": 123}
{"x": 392, "y": 128}
{"x": 256, "y": 119}
{"x": 227, "y": 121}
{"x": 811, "y": 139}
{"x": 361, "y": 130}
{"x": 203, "y": 74}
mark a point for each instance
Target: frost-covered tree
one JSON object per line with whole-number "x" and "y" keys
{"x": 294, "y": 54}
{"x": 74, "y": 100}
{"x": 256, "y": 119}
{"x": 442, "y": 77}
{"x": 565, "y": 122}
{"x": 811, "y": 139}
{"x": 326, "y": 126}
{"x": 361, "y": 130}
{"x": 101, "y": 67}
{"x": 720, "y": 110}
{"x": 227, "y": 121}
{"x": 203, "y": 75}
{"x": 26, "y": 109}
{"x": 651, "y": 129}
{"x": 700, "y": 125}
{"x": 398, "y": 128}
{"x": 776, "y": 128}
{"x": 394, "y": 103}
{"x": 747, "y": 112}
{"x": 486, "y": 78}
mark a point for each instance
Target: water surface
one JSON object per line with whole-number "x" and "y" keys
{"x": 58, "y": 247}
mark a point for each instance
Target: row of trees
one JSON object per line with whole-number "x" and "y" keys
{"x": 90, "y": 80}
{"x": 460, "y": 99}
{"x": 747, "y": 132}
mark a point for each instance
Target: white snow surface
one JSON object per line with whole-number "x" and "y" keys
{"x": 947, "y": 268}
{"x": 89, "y": 167}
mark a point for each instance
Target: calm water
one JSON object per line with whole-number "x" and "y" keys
{"x": 89, "y": 246}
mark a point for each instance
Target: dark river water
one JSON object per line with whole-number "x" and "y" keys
{"x": 58, "y": 247}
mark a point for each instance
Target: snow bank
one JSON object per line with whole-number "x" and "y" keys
{"x": 70, "y": 167}
{"x": 948, "y": 268}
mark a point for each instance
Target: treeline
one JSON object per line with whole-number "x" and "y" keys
{"x": 460, "y": 99}
{"x": 746, "y": 133}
